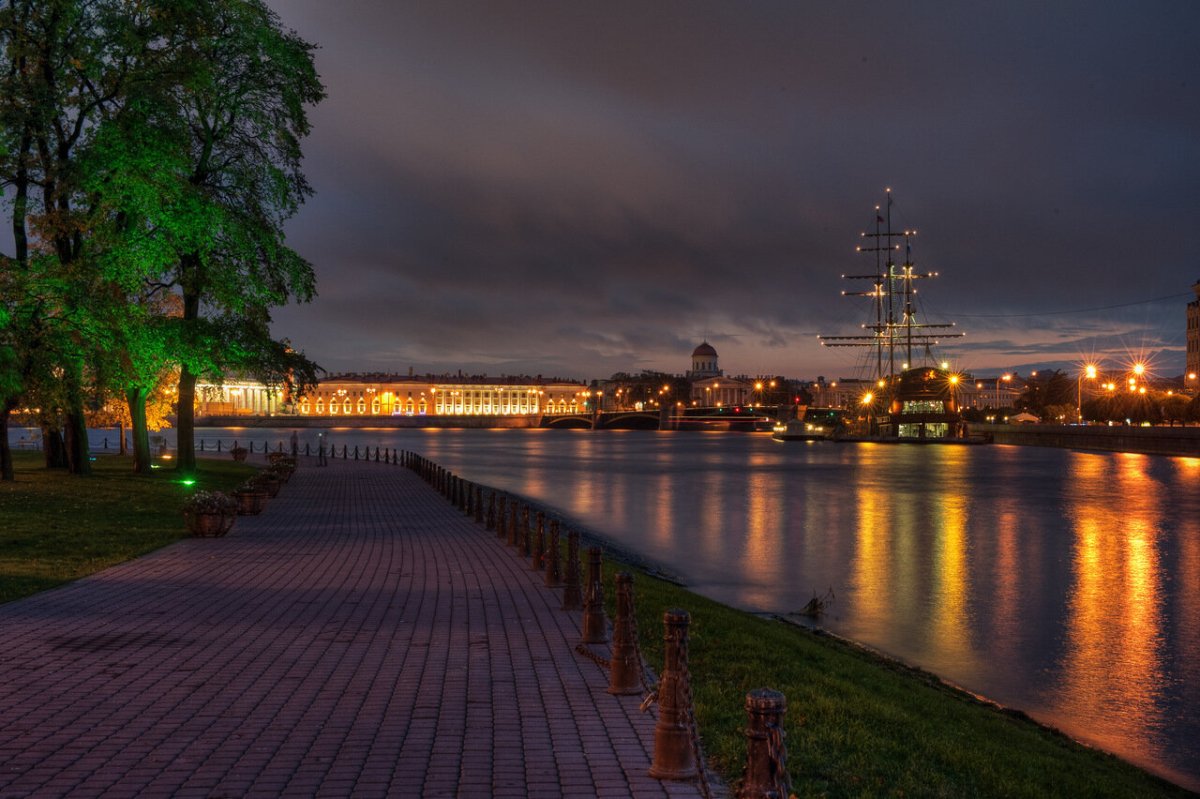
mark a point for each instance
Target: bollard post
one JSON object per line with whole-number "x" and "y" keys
{"x": 766, "y": 774}
{"x": 625, "y": 666}
{"x": 572, "y": 597}
{"x": 539, "y": 544}
{"x": 464, "y": 495}
{"x": 594, "y": 631}
{"x": 553, "y": 557}
{"x": 344, "y": 450}
{"x": 479, "y": 504}
{"x": 468, "y": 505}
{"x": 514, "y": 538}
{"x": 491, "y": 513}
{"x": 526, "y": 543}
{"x": 502, "y": 518}
{"x": 674, "y": 757}
{"x": 306, "y": 452}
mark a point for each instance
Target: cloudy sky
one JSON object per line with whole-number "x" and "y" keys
{"x": 579, "y": 188}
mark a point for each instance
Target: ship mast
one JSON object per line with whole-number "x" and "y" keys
{"x": 893, "y": 292}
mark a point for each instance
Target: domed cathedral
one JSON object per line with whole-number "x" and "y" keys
{"x": 704, "y": 362}
{"x": 710, "y": 387}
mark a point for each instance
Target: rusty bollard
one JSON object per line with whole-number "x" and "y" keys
{"x": 526, "y": 535}
{"x": 479, "y": 504}
{"x": 766, "y": 774}
{"x": 491, "y": 516}
{"x": 552, "y": 556}
{"x": 594, "y": 631}
{"x": 625, "y": 666}
{"x": 537, "y": 562}
{"x": 514, "y": 535}
{"x": 502, "y": 518}
{"x": 674, "y": 757}
{"x": 572, "y": 596}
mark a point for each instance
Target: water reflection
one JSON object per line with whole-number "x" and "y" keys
{"x": 1114, "y": 617}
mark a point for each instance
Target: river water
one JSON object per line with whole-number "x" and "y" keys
{"x": 1063, "y": 583}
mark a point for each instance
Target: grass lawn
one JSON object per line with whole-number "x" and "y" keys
{"x": 859, "y": 725}
{"x": 55, "y": 528}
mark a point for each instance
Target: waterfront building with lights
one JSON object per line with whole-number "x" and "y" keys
{"x": 356, "y": 396}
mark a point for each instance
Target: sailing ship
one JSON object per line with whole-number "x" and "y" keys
{"x": 910, "y": 402}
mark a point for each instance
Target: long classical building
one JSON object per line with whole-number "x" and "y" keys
{"x": 353, "y": 395}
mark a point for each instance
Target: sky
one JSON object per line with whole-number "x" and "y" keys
{"x": 578, "y": 188}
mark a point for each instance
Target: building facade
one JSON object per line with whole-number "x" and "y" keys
{"x": 390, "y": 395}
{"x": 710, "y": 387}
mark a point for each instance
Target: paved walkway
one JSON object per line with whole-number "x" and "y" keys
{"x": 359, "y": 638}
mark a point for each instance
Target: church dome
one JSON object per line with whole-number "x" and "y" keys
{"x": 705, "y": 350}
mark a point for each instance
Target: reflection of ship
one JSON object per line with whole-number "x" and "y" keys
{"x": 814, "y": 424}
{"x": 909, "y": 403}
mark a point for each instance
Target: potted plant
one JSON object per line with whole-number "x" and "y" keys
{"x": 281, "y": 470}
{"x": 267, "y": 480}
{"x": 209, "y": 514}
{"x": 251, "y": 499}
{"x": 238, "y": 453}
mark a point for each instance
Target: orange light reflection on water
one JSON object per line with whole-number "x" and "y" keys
{"x": 1114, "y": 606}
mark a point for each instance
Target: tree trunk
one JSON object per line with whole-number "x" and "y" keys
{"x": 186, "y": 421}
{"x": 121, "y": 448}
{"x": 136, "y": 399}
{"x": 6, "y": 462}
{"x": 52, "y": 447}
{"x": 78, "y": 452}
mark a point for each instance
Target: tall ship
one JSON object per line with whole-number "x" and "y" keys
{"x": 911, "y": 401}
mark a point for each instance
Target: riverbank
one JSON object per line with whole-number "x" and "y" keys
{"x": 1183, "y": 441}
{"x": 857, "y": 724}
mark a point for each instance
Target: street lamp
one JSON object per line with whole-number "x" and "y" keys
{"x": 1089, "y": 372}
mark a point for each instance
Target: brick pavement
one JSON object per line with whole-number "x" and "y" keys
{"x": 359, "y": 638}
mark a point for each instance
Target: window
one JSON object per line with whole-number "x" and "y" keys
{"x": 304, "y": 407}
{"x": 375, "y": 406}
{"x": 362, "y": 406}
{"x": 320, "y": 406}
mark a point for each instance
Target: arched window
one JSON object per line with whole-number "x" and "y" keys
{"x": 320, "y": 406}
{"x": 304, "y": 407}
{"x": 346, "y": 407}
{"x": 424, "y": 407}
{"x": 408, "y": 406}
{"x": 375, "y": 406}
{"x": 333, "y": 407}
{"x": 362, "y": 406}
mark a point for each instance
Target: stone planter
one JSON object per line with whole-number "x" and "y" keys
{"x": 208, "y": 525}
{"x": 251, "y": 503}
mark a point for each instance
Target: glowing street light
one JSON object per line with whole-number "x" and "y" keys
{"x": 1089, "y": 372}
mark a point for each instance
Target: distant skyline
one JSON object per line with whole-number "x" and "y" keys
{"x": 583, "y": 188}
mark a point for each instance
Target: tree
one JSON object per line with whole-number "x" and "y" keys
{"x": 239, "y": 116}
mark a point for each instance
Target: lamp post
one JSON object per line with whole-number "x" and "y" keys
{"x": 1006, "y": 378}
{"x": 1089, "y": 372}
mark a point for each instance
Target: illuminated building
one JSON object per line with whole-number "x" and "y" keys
{"x": 343, "y": 396}
{"x": 710, "y": 387}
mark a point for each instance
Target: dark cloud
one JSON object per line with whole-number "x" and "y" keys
{"x": 586, "y": 188}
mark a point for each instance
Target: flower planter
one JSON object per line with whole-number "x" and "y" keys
{"x": 208, "y": 525}
{"x": 251, "y": 503}
{"x": 267, "y": 482}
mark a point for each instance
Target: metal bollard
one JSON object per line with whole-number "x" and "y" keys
{"x": 552, "y": 557}
{"x": 479, "y": 504}
{"x": 502, "y": 519}
{"x": 766, "y": 774}
{"x": 572, "y": 597}
{"x": 674, "y": 757}
{"x": 491, "y": 513}
{"x": 356, "y": 452}
{"x": 594, "y": 631}
{"x": 468, "y": 506}
{"x": 526, "y": 543}
{"x": 625, "y": 666}
{"x": 537, "y": 562}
